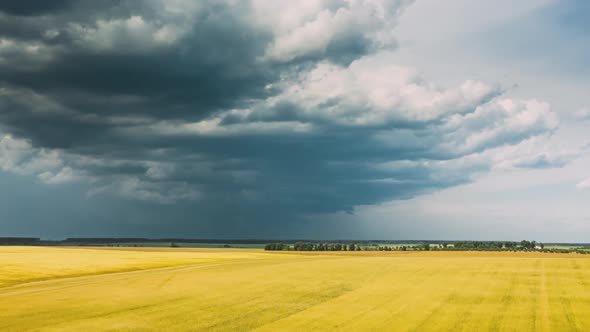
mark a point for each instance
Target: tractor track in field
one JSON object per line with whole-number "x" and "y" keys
{"x": 86, "y": 279}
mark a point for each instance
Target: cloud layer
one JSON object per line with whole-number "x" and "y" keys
{"x": 262, "y": 109}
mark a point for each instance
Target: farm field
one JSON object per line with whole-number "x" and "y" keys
{"x": 176, "y": 289}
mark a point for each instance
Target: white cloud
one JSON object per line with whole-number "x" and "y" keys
{"x": 309, "y": 28}
{"x": 65, "y": 175}
{"x": 19, "y": 156}
{"x": 503, "y": 121}
{"x": 374, "y": 91}
{"x": 127, "y": 35}
{"x": 49, "y": 165}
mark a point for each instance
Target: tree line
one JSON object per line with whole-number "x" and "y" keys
{"x": 314, "y": 246}
{"x": 495, "y": 245}
{"x": 523, "y": 245}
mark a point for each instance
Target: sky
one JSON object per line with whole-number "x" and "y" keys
{"x": 317, "y": 119}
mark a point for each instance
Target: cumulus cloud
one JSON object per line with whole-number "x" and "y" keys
{"x": 338, "y": 30}
{"x": 256, "y": 109}
{"x": 504, "y": 121}
{"x": 371, "y": 91}
{"x": 539, "y": 152}
{"x": 17, "y": 155}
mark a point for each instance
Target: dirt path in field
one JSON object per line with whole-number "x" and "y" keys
{"x": 27, "y": 287}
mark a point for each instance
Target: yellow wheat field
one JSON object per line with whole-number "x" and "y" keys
{"x": 68, "y": 289}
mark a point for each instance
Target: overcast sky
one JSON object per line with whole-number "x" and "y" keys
{"x": 398, "y": 119}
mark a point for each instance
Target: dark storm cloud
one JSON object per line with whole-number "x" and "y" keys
{"x": 33, "y": 7}
{"x": 234, "y": 114}
{"x": 93, "y": 55}
{"x": 210, "y": 67}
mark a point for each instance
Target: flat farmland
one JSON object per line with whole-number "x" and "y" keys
{"x": 184, "y": 289}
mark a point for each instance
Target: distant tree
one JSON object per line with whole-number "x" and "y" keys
{"x": 427, "y": 246}
{"x": 276, "y": 246}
